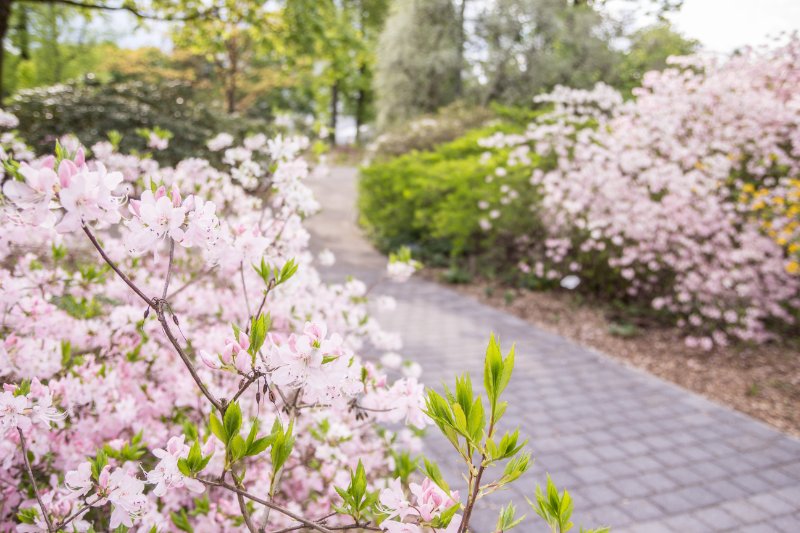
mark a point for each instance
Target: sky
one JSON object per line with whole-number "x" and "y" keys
{"x": 721, "y": 26}
{"x": 725, "y": 25}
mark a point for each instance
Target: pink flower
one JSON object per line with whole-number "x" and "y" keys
{"x": 13, "y": 412}
{"x": 156, "y": 217}
{"x": 34, "y": 194}
{"x": 166, "y": 475}
{"x": 393, "y": 502}
{"x": 88, "y": 197}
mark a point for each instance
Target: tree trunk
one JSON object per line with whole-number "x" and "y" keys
{"x": 22, "y": 30}
{"x": 233, "y": 73}
{"x": 334, "y": 111}
{"x": 361, "y": 103}
{"x": 5, "y": 17}
{"x": 462, "y": 43}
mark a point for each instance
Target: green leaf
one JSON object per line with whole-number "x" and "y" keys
{"x": 183, "y": 466}
{"x": 237, "y": 448}
{"x": 28, "y": 516}
{"x": 506, "y": 519}
{"x": 232, "y": 420}
{"x": 217, "y": 428}
{"x": 445, "y": 517}
{"x": 181, "y": 521}
{"x": 432, "y": 471}
{"x": 259, "y": 445}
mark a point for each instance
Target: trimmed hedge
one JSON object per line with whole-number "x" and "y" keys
{"x": 430, "y": 202}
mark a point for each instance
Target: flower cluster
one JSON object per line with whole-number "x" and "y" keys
{"x": 683, "y": 200}
{"x": 198, "y": 251}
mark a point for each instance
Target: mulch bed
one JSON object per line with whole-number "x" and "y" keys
{"x": 762, "y": 381}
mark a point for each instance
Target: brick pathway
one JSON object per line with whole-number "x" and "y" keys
{"x": 636, "y": 453}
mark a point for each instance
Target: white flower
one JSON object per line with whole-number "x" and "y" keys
{"x": 220, "y": 142}
{"x": 156, "y": 217}
{"x": 412, "y": 370}
{"x": 80, "y": 480}
{"x": 326, "y": 258}
{"x": 391, "y": 360}
{"x": 401, "y": 271}
{"x": 386, "y": 303}
{"x": 12, "y": 412}
{"x": 166, "y": 474}
{"x": 570, "y": 282}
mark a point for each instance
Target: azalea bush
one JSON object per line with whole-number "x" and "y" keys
{"x": 681, "y": 203}
{"x": 171, "y": 360}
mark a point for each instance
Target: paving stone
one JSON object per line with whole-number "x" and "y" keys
{"x": 626, "y": 444}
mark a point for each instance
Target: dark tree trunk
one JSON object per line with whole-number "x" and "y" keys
{"x": 5, "y": 17}
{"x": 232, "y": 74}
{"x": 361, "y": 103}
{"x": 462, "y": 43}
{"x": 22, "y": 30}
{"x": 334, "y": 111}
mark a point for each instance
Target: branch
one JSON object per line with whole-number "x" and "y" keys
{"x": 308, "y": 523}
{"x": 244, "y": 289}
{"x": 159, "y": 305}
{"x": 169, "y": 268}
{"x": 162, "y": 318}
{"x": 116, "y": 269}
{"x": 24, "y": 446}
{"x": 61, "y": 525}
{"x": 189, "y": 283}
{"x": 130, "y": 8}
{"x": 246, "y": 384}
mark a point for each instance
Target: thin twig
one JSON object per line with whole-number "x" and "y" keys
{"x": 247, "y": 384}
{"x": 33, "y": 480}
{"x": 116, "y": 269}
{"x": 191, "y": 282}
{"x": 159, "y": 305}
{"x": 169, "y": 268}
{"x": 76, "y": 514}
{"x": 268, "y": 504}
{"x": 244, "y": 289}
{"x": 162, "y": 318}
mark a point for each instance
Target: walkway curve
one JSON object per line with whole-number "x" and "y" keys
{"x": 637, "y": 453}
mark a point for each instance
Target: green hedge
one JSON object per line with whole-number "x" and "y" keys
{"x": 91, "y": 109}
{"x": 429, "y": 201}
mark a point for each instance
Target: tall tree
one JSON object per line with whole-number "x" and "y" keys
{"x": 533, "y": 45}
{"x": 418, "y": 60}
{"x": 340, "y": 37}
{"x": 230, "y": 39}
{"x": 141, "y": 9}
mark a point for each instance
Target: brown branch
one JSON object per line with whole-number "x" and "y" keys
{"x": 247, "y": 384}
{"x": 116, "y": 269}
{"x": 132, "y": 9}
{"x": 308, "y": 523}
{"x": 159, "y": 306}
{"x": 244, "y": 289}
{"x": 162, "y": 318}
{"x": 24, "y": 446}
{"x": 169, "y": 268}
{"x": 191, "y": 282}
{"x": 76, "y": 514}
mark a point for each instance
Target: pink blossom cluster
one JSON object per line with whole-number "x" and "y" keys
{"x": 641, "y": 200}
{"x": 86, "y": 372}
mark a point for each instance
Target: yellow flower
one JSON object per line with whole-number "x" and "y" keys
{"x": 793, "y": 267}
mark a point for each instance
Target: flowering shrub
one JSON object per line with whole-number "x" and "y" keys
{"x": 683, "y": 201}
{"x": 172, "y": 361}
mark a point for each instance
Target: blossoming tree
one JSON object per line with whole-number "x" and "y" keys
{"x": 684, "y": 200}
{"x": 171, "y": 360}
